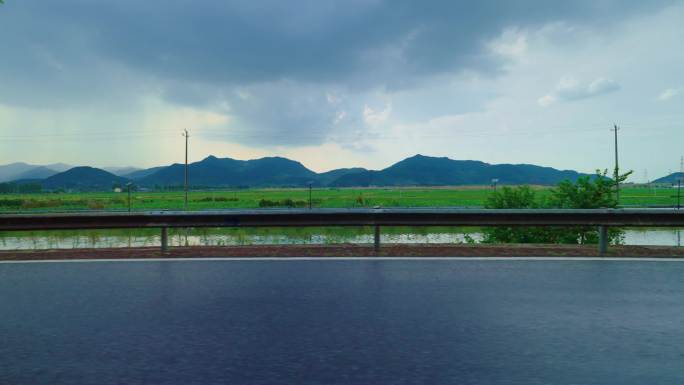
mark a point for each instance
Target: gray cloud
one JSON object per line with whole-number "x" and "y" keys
{"x": 240, "y": 42}
{"x": 279, "y": 114}
{"x": 286, "y": 54}
{"x": 570, "y": 89}
{"x": 668, "y": 94}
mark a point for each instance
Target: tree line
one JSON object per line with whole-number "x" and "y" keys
{"x": 20, "y": 188}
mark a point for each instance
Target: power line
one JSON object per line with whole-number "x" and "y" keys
{"x": 108, "y": 133}
{"x": 285, "y": 133}
{"x": 323, "y": 132}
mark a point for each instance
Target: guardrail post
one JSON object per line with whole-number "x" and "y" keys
{"x": 376, "y": 240}
{"x": 603, "y": 240}
{"x": 164, "y": 239}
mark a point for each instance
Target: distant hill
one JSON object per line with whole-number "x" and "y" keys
{"x": 59, "y": 167}
{"x": 672, "y": 178}
{"x": 326, "y": 178}
{"x": 139, "y": 174}
{"x": 227, "y": 172}
{"x": 13, "y": 171}
{"x": 121, "y": 171}
{"x": 421, "y": 170}
{"x": 83, "y": 178}
{"x": 40, "y": 172}
{"x": 20, "y": 170}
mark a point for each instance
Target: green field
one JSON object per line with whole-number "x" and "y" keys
{"x": 326, "y": 198}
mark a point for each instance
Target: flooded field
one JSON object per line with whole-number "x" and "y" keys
{"x": 37, "y": 240}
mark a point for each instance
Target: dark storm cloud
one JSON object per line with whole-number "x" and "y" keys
{"x": 309, "y": 40}
{"x": 322, "y": 41}
{"x": 197, "y": 52}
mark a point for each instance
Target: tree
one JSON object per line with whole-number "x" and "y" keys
{"x": 588, "y": 193}
{"x": 585, "y": 193}
{"x": 521, "y": 197}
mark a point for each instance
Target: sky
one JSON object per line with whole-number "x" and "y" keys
{"x": 344, "y": 83}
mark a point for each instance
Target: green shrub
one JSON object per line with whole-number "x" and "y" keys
{"x": 42, "y": 203}
{"x": 13, "y": 203}
{"x": 585, "y": 193}
{"x": 283, "y": 203}
{"x": 225, "y": 199}
{"x": 217, "y": 199}
{"x": 96, "y": 205}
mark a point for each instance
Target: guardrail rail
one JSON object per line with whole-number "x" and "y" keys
{"x": 602, "y": 218}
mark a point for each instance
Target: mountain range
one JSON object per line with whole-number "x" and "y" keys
{"x": 213, "y": 172}
{"x": 429, "y": 171}
{"x": 20, "y": 170}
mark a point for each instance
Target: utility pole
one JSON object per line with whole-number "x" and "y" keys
{"x": 186, "y": 135}
{"x": 617, "y": 169}
{"x": 310, "y": 195}
{"x": 679, "y": 184}
{"x": 129, "y": 195}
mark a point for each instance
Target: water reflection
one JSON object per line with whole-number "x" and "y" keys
{"x": 240, "y": 237}
{"x": 657, "y": 237}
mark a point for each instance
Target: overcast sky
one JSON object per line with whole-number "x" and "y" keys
{"x": 343, "y": 83}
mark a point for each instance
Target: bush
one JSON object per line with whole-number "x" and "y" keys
{"x": 522, "y": 197}
{"x": 217, "y": 199}
{"x": 13, "y": 203}
{"x": 36, "y": 204}
{"x": 585, "y": 193}
{"x": 96, "y": 205}
{"x": 284, "y": 203}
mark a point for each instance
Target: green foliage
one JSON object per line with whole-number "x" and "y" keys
{"x": 521, "y": 197}
{"x": 11, "y": 203}
{"x": 20, "y": 188}
{"x": 216, "y": 199}
{"x": 467, "y": 238}
{"x": 285, "y": 203}
{"x": 585, "y": 193}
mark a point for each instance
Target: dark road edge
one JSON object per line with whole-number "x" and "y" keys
{"x": 346, "y": 250}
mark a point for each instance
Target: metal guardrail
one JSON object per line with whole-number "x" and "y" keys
{"x": 602, "y": 218}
